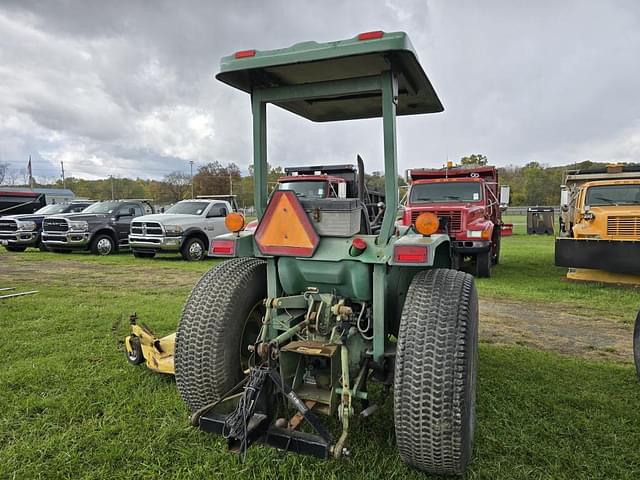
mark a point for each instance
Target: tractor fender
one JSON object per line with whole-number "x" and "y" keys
{"x": 438, "y": 247}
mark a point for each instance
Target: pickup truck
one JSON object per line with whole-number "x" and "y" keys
{"x": 17, "y": 232}
{"x": 102, "y": 228}
{"x": 187, "y": 227}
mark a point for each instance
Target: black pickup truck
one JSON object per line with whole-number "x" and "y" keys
{"x": 17, "y": 232}
{"x": 102, "y": 228}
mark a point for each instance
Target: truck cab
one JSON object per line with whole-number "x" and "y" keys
{"x": 466, "y": 202}
{"x": 314, "y": 186}
{"x": 600, "y": 222}
{"x": 17, "y": 232}
{"x": 102, "y": 228}
{"x": 188, "y": 227}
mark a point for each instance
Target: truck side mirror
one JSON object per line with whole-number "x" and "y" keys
{"x": 505, "y": 193}
{"x": 342, "y": 190}
{"x": 564, "y": 198}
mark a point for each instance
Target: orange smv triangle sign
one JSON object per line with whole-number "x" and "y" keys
{"x": 285, "y": 228}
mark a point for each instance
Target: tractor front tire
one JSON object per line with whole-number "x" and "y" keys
{"x": 210, "y": 334}
{"x": 435, "y": 372}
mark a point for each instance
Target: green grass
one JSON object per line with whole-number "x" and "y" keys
{"x": 527, "y": 273}
{"x": 71, "y": 406}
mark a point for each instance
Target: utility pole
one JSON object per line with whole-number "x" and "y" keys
{"x": 113, "y": 196}
{"x": 64, "y": 185}
{"x": 191, "y": 163}
{"x": 230, "y": 184}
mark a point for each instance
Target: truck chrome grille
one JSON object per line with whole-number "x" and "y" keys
{"x": 146, "y": 228}
{"x": 55, "y": 225}
{"x": 453, "y": 217}
{"x": 8, "y": 225}
{"x": 623, "y": 226}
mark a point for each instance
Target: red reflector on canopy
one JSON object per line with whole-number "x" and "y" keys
{"x": 245, "y": 53}
{"x": 370, "y": 35}
{"x": 223, "y": 247}
{"x": 410, "y": 254}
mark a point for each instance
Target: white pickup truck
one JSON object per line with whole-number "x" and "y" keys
{"x": 186, "y": 227}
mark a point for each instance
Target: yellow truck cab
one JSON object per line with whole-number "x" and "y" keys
{"x": 609, "y": 210}
{"x": 600, "y": 220}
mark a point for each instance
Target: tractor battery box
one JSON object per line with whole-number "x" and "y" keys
{"x": 334, "y": 217}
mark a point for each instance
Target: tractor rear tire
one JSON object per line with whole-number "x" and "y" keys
{"x": 435, "y": 372}
{"x": 210, "y": 334}
{"x": 636, "y": 344}
{"x": 482, "y": 264}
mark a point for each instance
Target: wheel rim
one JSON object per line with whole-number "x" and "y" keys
{"x": 104, "y": 246}
{"x": 250, "y": 333}
{"x": 195, "y": 250}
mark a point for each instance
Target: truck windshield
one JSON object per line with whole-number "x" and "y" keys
{"x": 445, "y": 192}
{"x": 51, "y": 209}
{"x": 188, "y": 208}
{"x": 613, "y": 195}
{"x": 102, "y": 207}
{"x": 306, "y": 189}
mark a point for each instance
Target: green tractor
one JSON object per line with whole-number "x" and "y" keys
{"x": 316, "y": 304}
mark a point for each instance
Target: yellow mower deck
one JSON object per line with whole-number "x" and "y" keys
{"x": 143, "y": 346}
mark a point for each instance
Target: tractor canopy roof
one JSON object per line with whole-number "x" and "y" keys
{"x": 365, "y": 55}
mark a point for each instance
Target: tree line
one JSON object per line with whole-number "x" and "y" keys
{"x": 531, "y": 184}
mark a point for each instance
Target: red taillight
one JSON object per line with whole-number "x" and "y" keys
{"x": 370, "y": 35}
{"x": 410, "y": 254}
{"x": 245, "y": 53}
{"x": 223, "y": 247}
{"x": 358, "y": 246}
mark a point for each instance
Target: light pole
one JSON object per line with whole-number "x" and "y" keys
{"x": 191, "y": 163}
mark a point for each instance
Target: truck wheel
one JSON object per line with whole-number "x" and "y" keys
{"x": 495, "y": 258}
{"x": 223, "y": 311}
{"x": 138, "y": 254}
{"x": 435, "y": 374}
{"x": 193, "y": 250}
{"x": 135, "y": 356}
{"x": 15, "y": 249}
{"x": 483, "y": 264}
{"x": 636, "y": 344}
{"x": 103, "y": 244}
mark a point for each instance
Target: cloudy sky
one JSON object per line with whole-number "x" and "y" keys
{"x": 127, "y": 88}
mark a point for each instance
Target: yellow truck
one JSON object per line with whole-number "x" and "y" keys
{"x": 600, "y": 224}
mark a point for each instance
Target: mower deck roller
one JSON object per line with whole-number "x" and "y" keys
{"x": 303, "y": 316}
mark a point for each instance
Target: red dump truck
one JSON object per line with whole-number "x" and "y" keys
{"x": 469, "y": 206}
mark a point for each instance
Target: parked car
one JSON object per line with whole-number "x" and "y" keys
{"x": 102, "y": 228}
{"x": 187, "y": 227}
{"x": 17, "y": 232}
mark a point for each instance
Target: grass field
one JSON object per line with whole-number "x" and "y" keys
{"x": 71, "y": 407}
